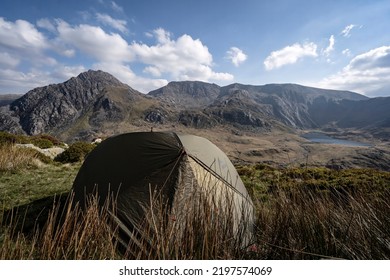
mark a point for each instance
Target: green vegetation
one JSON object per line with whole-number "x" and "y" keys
{"x": 75, "y": 153}
{"x": 301, "y": 213}
{"x": 24, "y": 186}
{"x": 42, "y": 141}
{"x": 262, "y": 179}
{"x": 310, "y": 213}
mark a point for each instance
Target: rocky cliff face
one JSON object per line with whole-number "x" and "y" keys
{"x": 188, "y": 94}
{"x": 238, "y": 107}
{"x": 80, "y": 105}
{"x": 290, "y": 104}
{"x": 55, "y": 106}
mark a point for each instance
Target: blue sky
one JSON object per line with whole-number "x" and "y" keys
{"x": 342, "y": 44}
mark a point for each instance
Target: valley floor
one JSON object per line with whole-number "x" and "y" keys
{"x": 290, "y": 149}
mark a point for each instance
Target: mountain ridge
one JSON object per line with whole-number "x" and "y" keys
{"x": 95, "y": 101}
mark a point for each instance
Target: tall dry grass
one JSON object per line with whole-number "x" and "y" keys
{"x": 13, "y": 158}
{"x": 69, "y": 233}
{"x": 309, "y": 224}
{"x": 204, "y": 227}
{"x": 291, "y": 223}
{"x": 207, "y": 231}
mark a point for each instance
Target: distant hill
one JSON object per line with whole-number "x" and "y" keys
{"x": 6, "y": 99}
{"x": 95, "y": 103}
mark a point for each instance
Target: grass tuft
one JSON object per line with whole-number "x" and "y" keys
{"x": 13, "y": 158}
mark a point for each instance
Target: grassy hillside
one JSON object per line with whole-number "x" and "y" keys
{"x": 301, "y": 213}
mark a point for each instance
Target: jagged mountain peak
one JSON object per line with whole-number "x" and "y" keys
{"x": 57, "y": 106}
{"x": 99, "y": 76}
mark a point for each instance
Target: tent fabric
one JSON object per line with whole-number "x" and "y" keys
{"x": 214, "y": 160}
{"x": 129, "y": 167}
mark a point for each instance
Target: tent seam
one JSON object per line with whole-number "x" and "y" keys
{"x": 202, "y": 164}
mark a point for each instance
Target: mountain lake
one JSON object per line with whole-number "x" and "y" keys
{"x": 318, "y": 137}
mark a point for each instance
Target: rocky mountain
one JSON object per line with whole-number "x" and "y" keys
{"x": 81, "y": 105}
{"x": 290, "y": 104}
{"x": 96, "y": 103}
{"x": 187, "y": 94}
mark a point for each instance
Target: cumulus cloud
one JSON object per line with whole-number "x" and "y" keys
{"x": 114, "y": 23}
{"x": 290, "y": 55}
{"x": 21, "y": 41}
{"x": 64, "y": 72}
{"x": 95, "y": 42}
{"x": 126, "y": 75}
{"x": 375, "y": 58}
{"x": 236, "y": 56}
{"x": 182, "y": 59}
{"x": 330, "y": 47}
{"x": 154, "y": 71}
{"x": 366, "y": 73}
{"x": 162, "y": 36}
{"x": 21, "y": 35}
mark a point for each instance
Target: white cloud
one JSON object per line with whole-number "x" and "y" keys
{"x": 114, "y": 23}
{"x": 182, "y": 59}
{"x": 154, "y": 71}
{"x": 126, "y": 75}
{"x": 236, "y": 56}
{"x": 346, "y": 52}
{"x": 21, "y": 43}
{"x": 15, "y": 81}
{"x": 8, "y": 60}
{"x": 116, "y": 7}
{"x": 21, "y": 35}
{"x": 330, "y": 47}
{"x": 149, "y": 34}
{"x": 375, "y": 58}
{"x": 95, "y": 42}
{"x": 290, "y": 55}
{"x": 366, "y": 73}
{"x": 347, "y": 30}
{"x": 64, "y": 72}
{"x": 162, "y": 36}
{"x": 46, "y": 24}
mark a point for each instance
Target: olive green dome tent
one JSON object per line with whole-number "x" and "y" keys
{"x": 131, "y": 167}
